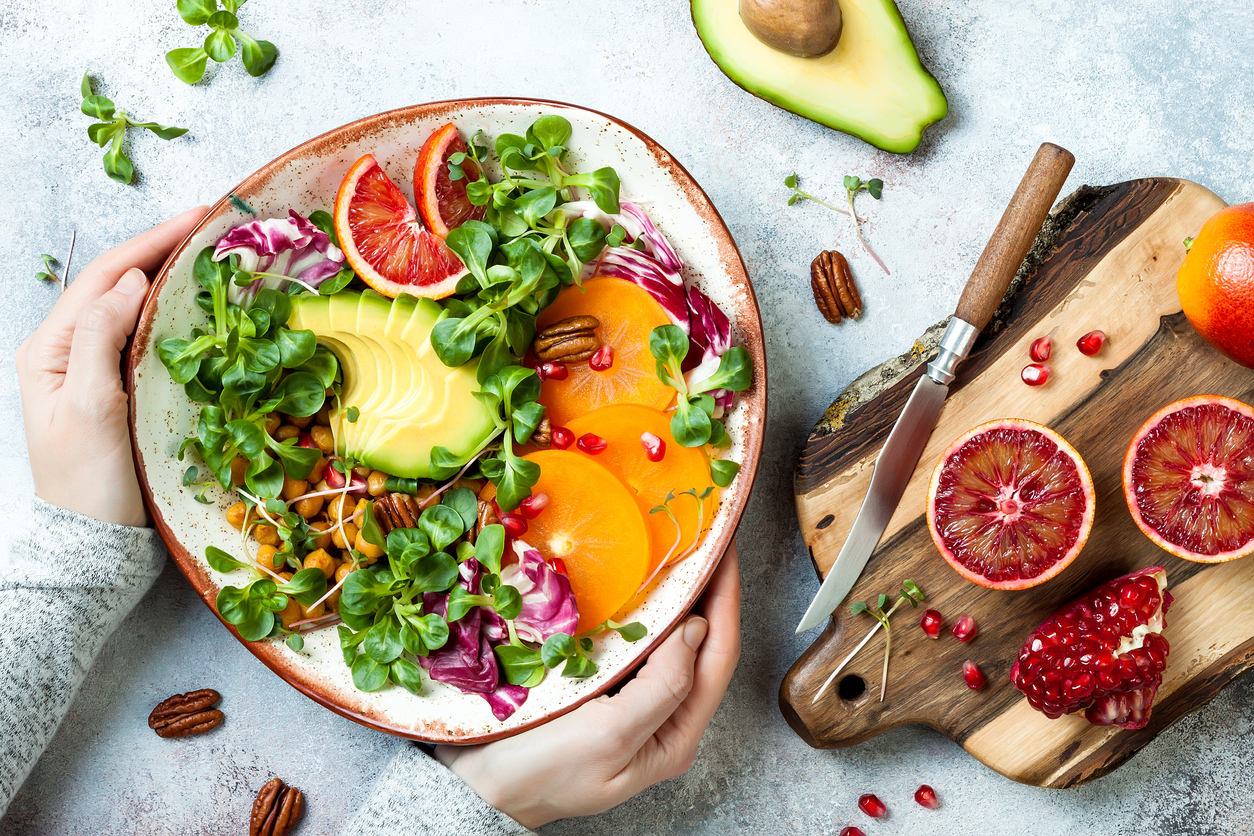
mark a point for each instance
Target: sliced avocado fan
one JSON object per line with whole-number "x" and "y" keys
{"x": 871, "y": 85}
{"x": 407, "y": 401}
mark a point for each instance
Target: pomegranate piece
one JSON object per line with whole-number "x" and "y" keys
{"x": 972, "y": 675}
{"x": 931, "y": 624}
{"x": 305, "y": 440}
{"x": 926, "y": 796}
{"x": 852, "y": 831}
{"x": 602, "y": 360}
{"x": 964, "y": 628}
{"x": 558, "y": 565}
{"x": 561, "y": 438}
{"x": 554, "y": 370}
{"x": 514, "y": 524}
{"x": 654, "y": 447}
{"x": 1041, "y": 347}
{"x": 591, "y": 443}
{"x": 1091, "y": 343}
{"x": 335, "y": 481}
{"x": 1035, "y": 374}
{"x": 872, "y": 806}
{"x": 531, "y": 507}
{"x": 1102, "y": 654}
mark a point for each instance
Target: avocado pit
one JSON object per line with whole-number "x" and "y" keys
{"x": 805, "y": 28}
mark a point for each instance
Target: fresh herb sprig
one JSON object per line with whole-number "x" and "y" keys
{"x": 49, "y": 273}
{"x": 111, "y": 130}
{"x": 220, "y": 44}
{"x": 874, "y": 187}
{"x": 512, "y": 393}
{"x": 909, "y": 592}
{"x": 252, "y": 607}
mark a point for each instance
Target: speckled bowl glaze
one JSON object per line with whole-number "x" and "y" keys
{"x": 306, "y": 179}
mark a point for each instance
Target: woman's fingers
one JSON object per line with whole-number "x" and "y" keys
{"x": 93, "y": 373}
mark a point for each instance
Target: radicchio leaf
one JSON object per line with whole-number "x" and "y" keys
{"x": 548, "y": 604}
{"x": 290, "y": 246}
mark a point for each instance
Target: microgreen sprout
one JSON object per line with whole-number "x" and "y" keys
{"x": 853, "y": 185}
{"x": 909, "y": 592}
{"x": 665, "y": 508}
{"x": 49, "y": 273}
{"x": 220, "y": 44}
{"x": 111, "y": 130}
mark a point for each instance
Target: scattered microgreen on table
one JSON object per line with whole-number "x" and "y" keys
{"x": 909, "y": 592}
{"x": 49, "y": 273}
{"x": 220, "y": 44}
{"x": 110, "y": 131}
{"x": 874, "y": 187}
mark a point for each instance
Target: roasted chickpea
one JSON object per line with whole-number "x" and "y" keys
{"x": 309, "y": 507}
{"x": 286, "y": 431}
{"x": 266, "y": 535}
{"x": 361, "y": 470}
{"x": 323, "y": 416}
{"x": 292, "y": 613}
{"x": 349, "y": 535}
{"x": 323, "y": 437}
{"x": 360, "y": 508}
{"x": 370, "y": 551}
{"x": 338, "y": 507}
{"x": 315, "y": 611}
{"x": 324, "y": 540}
{"x": 344, "y": 570}
{"x": 236, "y": 515}
{"x": 299, "y": 421}
{"x": 238, "y": 466}
{"x": 293, "y": 488}
{"x": 321, "y": 560}
{"x": 271, "y": 558}
{"x": 376, "y": 482}
{"x": 475, "y": 485}
{"x": 317, "y": 472}
{"x": 272, "y": 423}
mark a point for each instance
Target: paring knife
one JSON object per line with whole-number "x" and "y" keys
{"x": 984, "y": 291}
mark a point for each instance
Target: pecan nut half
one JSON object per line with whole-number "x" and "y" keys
{"x": 183, "y": 715}
{"x": 397, "y": 510}
{"x": 276, "y": 809}
{"x": 834, "y": 290}
{"x": 487, "y": 516}
{"x": 543, "y": 435}
{"x": 570, "y": 340}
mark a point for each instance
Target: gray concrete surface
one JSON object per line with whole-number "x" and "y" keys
{"x": 1133, "y": 87}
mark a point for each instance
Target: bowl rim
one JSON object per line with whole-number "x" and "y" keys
{"x": 754, "y": 400}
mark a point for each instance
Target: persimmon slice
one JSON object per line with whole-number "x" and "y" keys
{"x": 627, "y": 314}
{"x": 593, "y": 524}
{"x": 680, "y": 469}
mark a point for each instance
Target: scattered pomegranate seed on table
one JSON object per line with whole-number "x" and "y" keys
{"x": 533, "y": 505}
{"x": 964, "y": 628}
{"x": 554, "y": 370}
{"x": 926, "y": 796}
{"x": 654, "y": 447}
{"x": 1035, "y": 374}
{"x": 1091, "y": 343}
{"x": 972, "y": 675}
{"x": 931, "y": 624}
{"x": 591, "y": 443}
{"x": 561, "y": 438}
{"x": 515, "y": 526}
{"x": 1040, "y": 349}
{"x": 603, "y": 359}
{"x": 852, "y": 831}
{"x": 872, "y": 806}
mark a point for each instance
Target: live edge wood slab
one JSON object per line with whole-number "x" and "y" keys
{"x": 1106, "y": 259}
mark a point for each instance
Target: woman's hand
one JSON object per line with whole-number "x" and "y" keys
{"x": 607, "y": 750}
{"x": 73, "y": 403}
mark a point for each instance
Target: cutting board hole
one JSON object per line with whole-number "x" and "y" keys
{"x": 851, "y": 687}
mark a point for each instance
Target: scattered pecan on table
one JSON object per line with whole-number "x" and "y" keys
{"x": 834, "y": 290}
{"x": 571, "y": 340}
{"x": 276, "y": 809}
{"x": 183, "y": 715}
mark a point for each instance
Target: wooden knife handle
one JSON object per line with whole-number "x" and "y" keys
{"x": 1014, "y": 235}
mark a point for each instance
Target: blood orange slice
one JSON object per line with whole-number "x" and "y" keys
{"x": 1188, "y": 477}
{"x": 1010, "y": 504}
{"x": 442, "y": 201}
{"x": 384, "y": 241}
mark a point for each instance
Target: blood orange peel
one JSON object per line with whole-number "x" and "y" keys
{"x": 1188, "y": 477}
{"x": 1010, "y": 504}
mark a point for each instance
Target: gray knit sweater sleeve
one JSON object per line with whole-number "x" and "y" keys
{"x": 65, "y": 587}
{"x": 417, "y": 794}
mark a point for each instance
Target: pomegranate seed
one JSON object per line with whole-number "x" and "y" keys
{"x": 872, "y": 806}
{"x": 1040, "y": 349}
{"x": 515, "y": 526}
{"x": 973, "y": 676}
{"x": 1035, "y": 374}
{"x": 561, "y": 438}
{"x": 852, "y": 831}
{"x": 533, "y": 505}
{"x": 964, "y": 628}
{"x": 1091, "y": 343}
{"x": 654, "y": 447}
{"x": 559, "y": 565}
{"x": 602, "y": 360}
{"x": 305, "y": 440}
{"x": 926, "y": 796}
{"x": 931, "y": 624}
{"x": 591, "y": 444}
{"x": 335, "y": 481}
{"x": 553, "y": 371}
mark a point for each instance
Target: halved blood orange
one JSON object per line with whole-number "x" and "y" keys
{"x": 1188, "y": 477}
{"x": 384, "y": 241}
{"x": 1010, "y": 504}
{"x": 442, "y": 201}
{"x": 627, "y": 314}
{"x": 594, "y": 526}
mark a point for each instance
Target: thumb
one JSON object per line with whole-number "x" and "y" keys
{"x": 100, "y": 333}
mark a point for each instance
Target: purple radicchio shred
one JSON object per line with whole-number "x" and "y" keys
{"x": 548, "y": 603}
{"x": 290, "y": 246}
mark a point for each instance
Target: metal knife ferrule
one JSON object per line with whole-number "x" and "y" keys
{"x": 954, "y": 346}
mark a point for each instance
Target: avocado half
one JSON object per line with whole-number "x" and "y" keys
{"x": 872, "y": 85}
{"x": 407, "y": 400}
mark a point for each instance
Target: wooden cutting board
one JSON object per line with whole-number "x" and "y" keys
{"x": 1106, "y": 259}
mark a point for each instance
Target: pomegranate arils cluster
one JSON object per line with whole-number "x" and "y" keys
{"x": 926, "y": 796}
{"x": 872, "y": 806}
{"x": 1103, "y": 654}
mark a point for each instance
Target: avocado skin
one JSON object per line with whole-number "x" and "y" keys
{"x": 872, "y": 86}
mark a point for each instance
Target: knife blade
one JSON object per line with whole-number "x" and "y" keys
{"x": 900, "y": 454}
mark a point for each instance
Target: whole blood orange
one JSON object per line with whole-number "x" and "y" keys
{"x": 679, "y": 469}
{"x": 384, "y": 241}
{"x": 1188, "y": 477}
{"x": 1010, "y": 504}
{"x": 1216, "y": 282}
{"x": 441, "y": 200}
{"x": 627, "y": 314}
{"x": 594, "y": 526}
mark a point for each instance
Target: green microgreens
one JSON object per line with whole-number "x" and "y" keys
{"x": 511, "y": 393}
{"x": 251, "y": 608}
{"x": 665, "y": 508}
{"x": 189, "y": 63}
{"x": 111, "y": 130}
{"x": 49, "y": 273}
{"x": 853, "y": 185}
{"x": 909, "y": 592}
